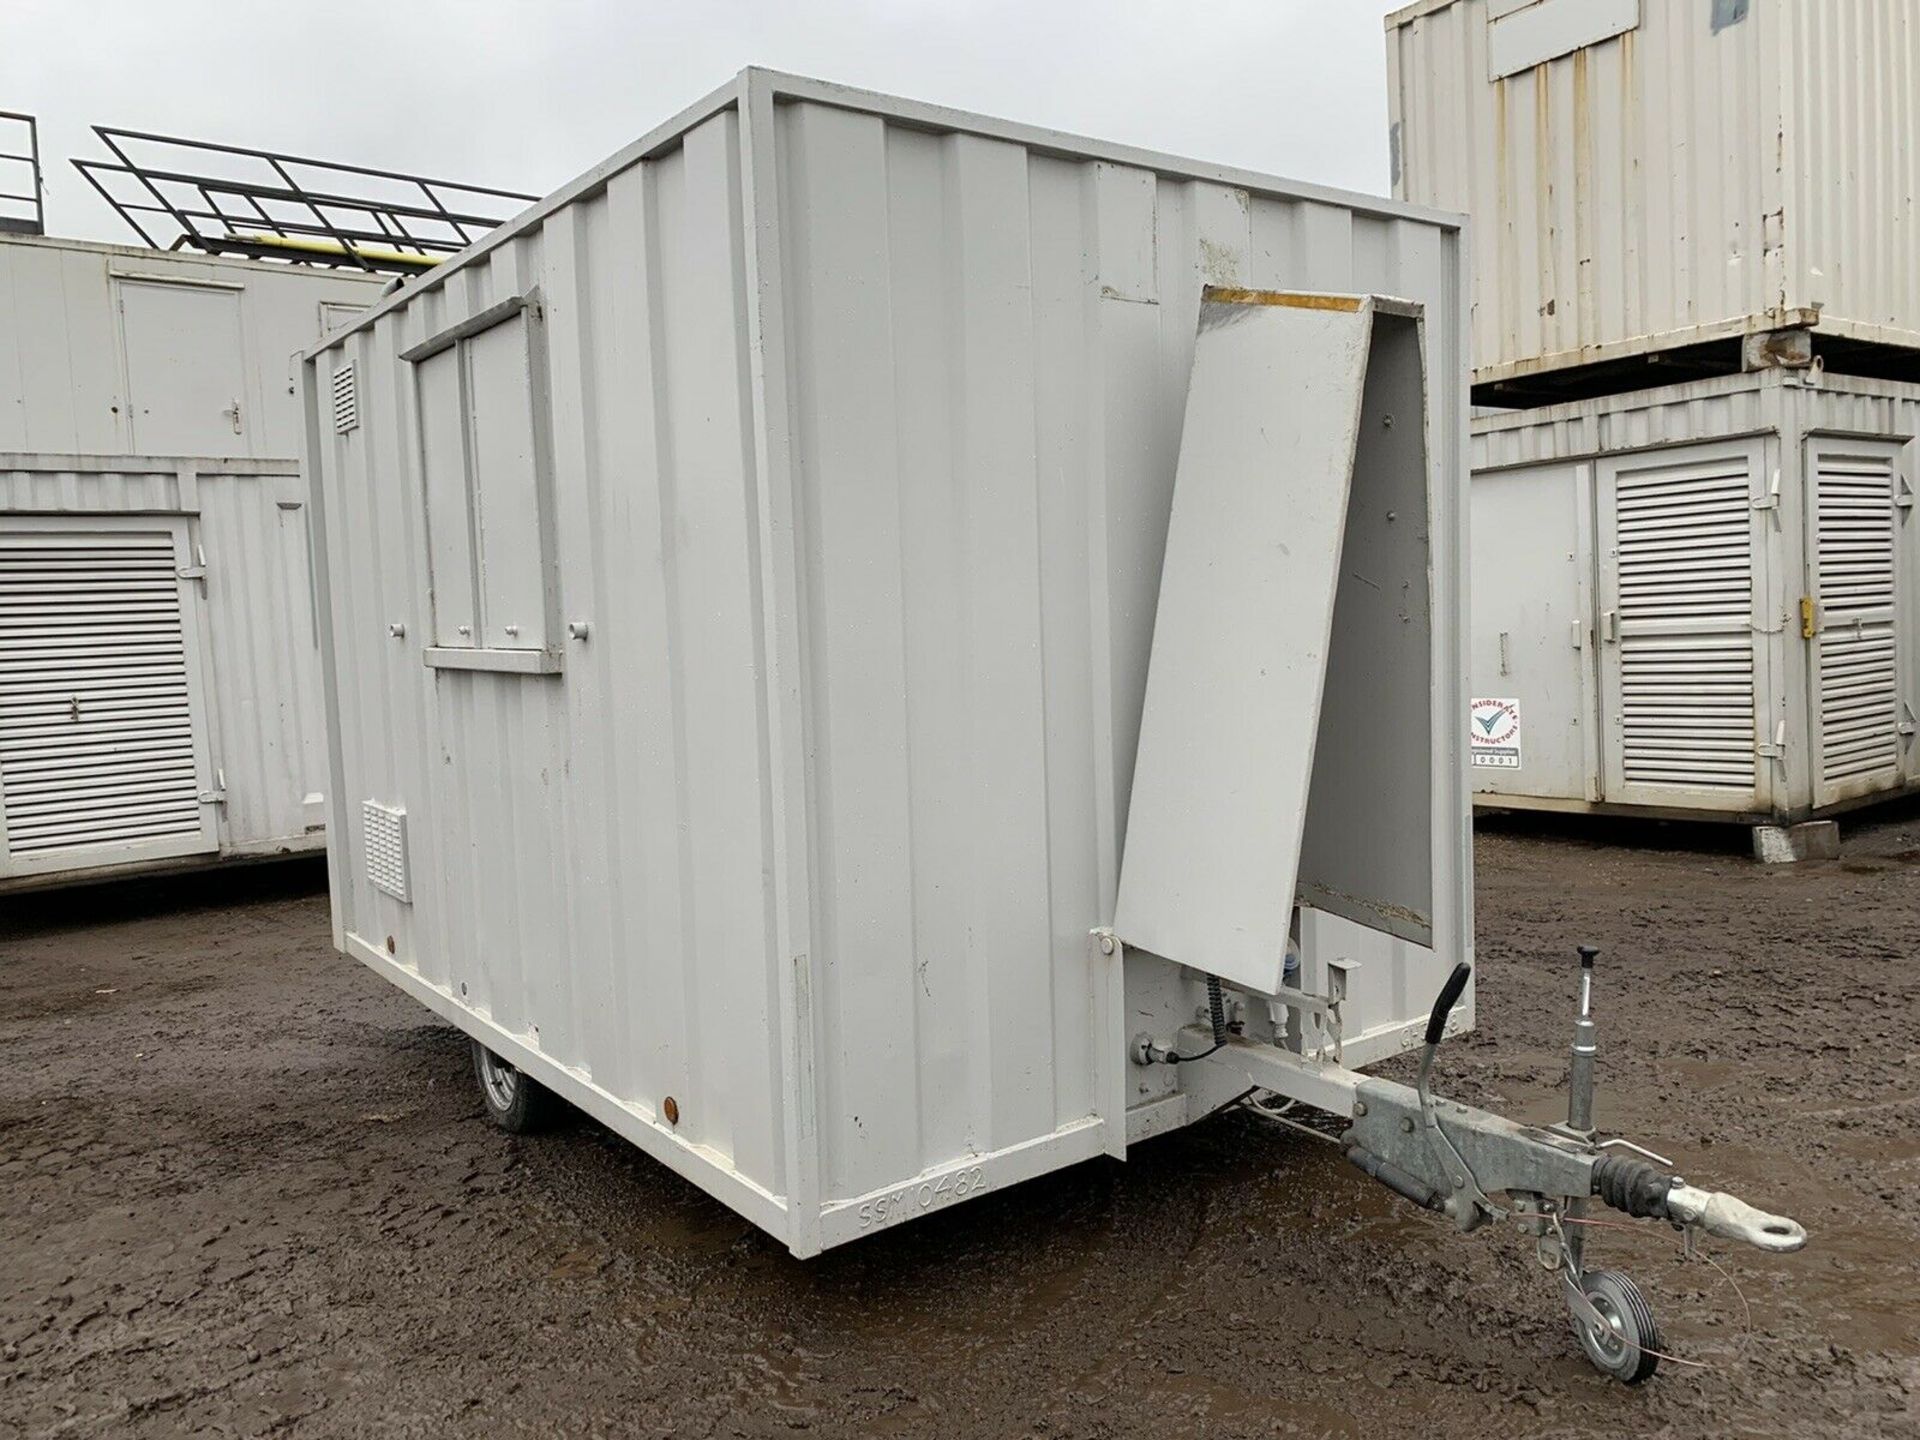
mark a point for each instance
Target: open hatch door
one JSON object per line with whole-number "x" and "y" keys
{"x": 1286, "y": 746}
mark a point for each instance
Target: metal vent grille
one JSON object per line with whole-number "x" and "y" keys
{"x": 1858, "y": 658}
{"x": 1686, "y": 625}
{"x": 386, "y": 845}
{"x": 346, "y": 399}
{"x": 96, "y": 718}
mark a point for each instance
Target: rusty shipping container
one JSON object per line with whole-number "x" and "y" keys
{"x": 1660, "y": 175}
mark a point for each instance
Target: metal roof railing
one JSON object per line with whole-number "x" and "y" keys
{"x": 266, "y": 205}
{"x": 22, "y": 211}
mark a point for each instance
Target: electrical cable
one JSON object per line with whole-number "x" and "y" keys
{"x": 1172, "y": 1059}
{"x": 1280, "y": 1116}
{"x": 1217, "y": 1014}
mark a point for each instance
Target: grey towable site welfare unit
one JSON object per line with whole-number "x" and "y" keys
{"x": 1701, "y": 600}
{"x": 882, "y": 653}
{"x": 159, "y": 668}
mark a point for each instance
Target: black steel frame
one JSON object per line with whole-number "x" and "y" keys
{"x": 36, "y": 222}
{"x": 336, "y": 217}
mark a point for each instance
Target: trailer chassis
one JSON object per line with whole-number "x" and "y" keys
{"x": 1455, "y": 1159}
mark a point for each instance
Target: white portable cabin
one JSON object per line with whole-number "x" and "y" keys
{"x": 159, "y": 678}
{"x": 1650, "y": 175}
{"x": 1702, "y": 599}
{"x": 739, "y": 575}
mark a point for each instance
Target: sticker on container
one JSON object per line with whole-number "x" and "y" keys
{"x": 1493, "y": 727}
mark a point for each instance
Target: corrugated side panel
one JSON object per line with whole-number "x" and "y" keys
{"x": 1641, "y": 420}
{"x": 1866, "y": 424}
{"x": 1717, "y": 409}
{"x": 1661, "y": 713}
{"x": 259, "y": 640}
{"x": 591, "y": 858}
{"x": 63, "y": 363}
{"x": 1857, "y": 658}
{"x": 47, "y": 485}
{"x": 1620, "y": 195}
{"x": 1851, "y": 92}
{"x": 989, "y": 349}
{"x": 262, "y": 646}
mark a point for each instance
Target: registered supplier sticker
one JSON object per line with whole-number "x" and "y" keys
{"x": 1493, "y": 728}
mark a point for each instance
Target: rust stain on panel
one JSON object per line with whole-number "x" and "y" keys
{"x": 1234, "y": 295}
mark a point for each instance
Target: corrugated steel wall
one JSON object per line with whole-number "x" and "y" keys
{"x": 1679, "y": 177}
{"x": 1785, "y": 417}
{"x": 48, "y": 484}
{"x": 990, "y": 348}
{"x": 1643, "y": 420}
{"x": 63, "y": 365}
{"x": 1698, "y": 410}
{"x": 262, "y": 650}
{"x": 258, "y": 643}
{"x": 616, "y": 815}
{"x": 73, "y": 411}
{"x": 985, "y": 359}
{"x": 1851, "y": 126}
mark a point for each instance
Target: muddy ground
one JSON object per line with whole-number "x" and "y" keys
{"x": 246, "y": 1188}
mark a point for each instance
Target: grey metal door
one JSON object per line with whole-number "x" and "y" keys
{"x": 1532, "y": 633}
{"x": 1679, "y": 609}
{"x": 1862, "y": 731}
{"x": 103, "y": 744}
{"x": 186, "y": 368}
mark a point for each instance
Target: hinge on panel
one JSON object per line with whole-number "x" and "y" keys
{"x": 1334, "y": 1023}
{"x": 213, "y": 797}
{"x": 1770, "y": 500}
{"x": 1903, "y": 497}
{"x": 198, "y": 569}
{"x": 1806, "y": 617}
{"x": 1906, "y": 726}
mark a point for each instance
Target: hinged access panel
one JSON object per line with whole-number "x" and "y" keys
{"x": 103, "y": 738}
{"x": 1535, "y": 638}
{"x": 1682, "y": 605}
{"x": 1287, "y": 747}
{"x": 1863, "y": 741}
{"x": 186, "y": 372}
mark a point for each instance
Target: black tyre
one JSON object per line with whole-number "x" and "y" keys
{"x": 1624, "y": 1345}
{"x": 515, "y": 1102}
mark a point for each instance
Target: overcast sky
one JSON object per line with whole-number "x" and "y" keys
{"x": 526, "y": 94}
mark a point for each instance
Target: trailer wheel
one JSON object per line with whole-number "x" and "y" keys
{"x": 515, "y": 1102}
{"x": 1626, "y": 1345}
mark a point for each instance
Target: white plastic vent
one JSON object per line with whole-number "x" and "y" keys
{"x": 346, "y": 399}
{"x": 386, "y": 831}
